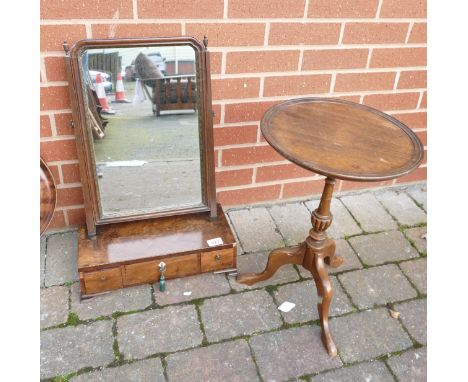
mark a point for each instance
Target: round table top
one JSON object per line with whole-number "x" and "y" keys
{"x": 48, "y": 196}
{"x": 342, "y": 139}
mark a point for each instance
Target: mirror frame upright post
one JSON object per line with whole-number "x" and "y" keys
{"x": 94, "y": 217}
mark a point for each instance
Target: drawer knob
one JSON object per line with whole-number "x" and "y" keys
{"x": 103, "y": 278}
{"x": 218, "y": 258}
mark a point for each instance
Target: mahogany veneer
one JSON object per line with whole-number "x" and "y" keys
{"x": 127, "y": 254}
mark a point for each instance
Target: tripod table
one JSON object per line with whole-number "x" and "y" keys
{"x": 339, "y": 140}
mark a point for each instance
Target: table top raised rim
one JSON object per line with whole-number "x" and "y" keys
{"x": 330, "y": 172}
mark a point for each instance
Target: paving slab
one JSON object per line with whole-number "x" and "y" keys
{"x": 140, "y": 371}
{"x": 419, "y": 193}
{"x": 239, "y": 314}
{"x": 369, "y": 212}
{"x": 293, "y": 221}
{"x": 43, "y": 258}
{"x": 401, "y": 207}
{"x": 373, "y": 371}
{"x": 350, "y": 260}
{"x": 158, "y": 331}
{"x": 413, "y": 315}
{"x": 61, "y": 258}
{"x": 411, "y": 366}
{"x": 377, "y": 286}
{"x": 418, "y": 236}
{"x": 239, "y": 248}
{"x": 191, "y": 288}
{"x": 366, "y": 335}
{"x": 416, "y": 270}
{"x": 256, "y": 229}
{"x": 70, "y": 349}
{"x": 228, "y": 361}
{"x": 54, "y": 306}
{"x": 304, "y": 295}
{"x": 291, "y": 353}
{"x": 343, "y": 223}
{"x": 121, "y": 300}
{"x": 256, "y": 262}
{"x": 379, "y": 248}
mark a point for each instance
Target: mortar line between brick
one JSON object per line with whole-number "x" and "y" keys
{"x": 310, "y": 20}
{"x": 397, "y": 78}
{"x": 342, "y": 29}
{"x": 267, "y": 33}
{"x": 225, "y": 9}
{"x": 306, "y": 9}
{"x": 135, "y": 9}
{"x": 420, "y": 99}
{"x": 43, "y": 70}
{"x": 379, "y": 7}
{"x": 410, "y": 29}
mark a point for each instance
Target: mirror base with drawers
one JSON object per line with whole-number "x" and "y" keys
{"x": 128, "y": 254}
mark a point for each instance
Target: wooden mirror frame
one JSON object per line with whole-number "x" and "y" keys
{"x": 84, "y": 146}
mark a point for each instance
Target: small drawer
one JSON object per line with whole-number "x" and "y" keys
{"x": 148, "y": 271}
{"x": 104, "y": 280}
{"x": 216, "y": 260}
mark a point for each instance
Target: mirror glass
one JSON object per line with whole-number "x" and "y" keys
{"x": 143, "y": 118}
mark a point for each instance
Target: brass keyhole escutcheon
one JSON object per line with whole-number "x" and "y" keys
{"x": 218, "y": 258}
{"x": 103, "y": 278}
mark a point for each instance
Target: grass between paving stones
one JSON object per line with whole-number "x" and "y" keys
{"x": 419, "y": 295}
{"x": 197, "y": 304}
{"x": 120, "y": 359}
{"x": 405, "y": 189}
{"x": 402, "y": 228}
{"x": 73, "y": 319}
{"x": 115, "y": 345}
{"x": 254, "y": 360}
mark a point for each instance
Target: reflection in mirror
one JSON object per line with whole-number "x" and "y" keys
{"x": 142, "y": 116}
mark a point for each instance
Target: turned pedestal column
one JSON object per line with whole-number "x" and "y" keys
{"x": 312, "y": 255}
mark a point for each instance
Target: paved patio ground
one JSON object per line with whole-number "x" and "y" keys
{"x": 224, "y": 331}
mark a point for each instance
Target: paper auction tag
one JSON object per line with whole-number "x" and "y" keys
{"x": 214, "y": 242}
{"x": 286, "y": 306}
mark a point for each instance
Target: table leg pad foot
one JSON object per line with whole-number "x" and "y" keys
{"x": 334, "y": 261}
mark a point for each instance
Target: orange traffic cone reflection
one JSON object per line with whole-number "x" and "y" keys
{"x": 120, "y": 91}
{"x": 101, "y": 94}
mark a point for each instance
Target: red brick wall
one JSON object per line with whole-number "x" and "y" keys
{"x": 369, "y": 51}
